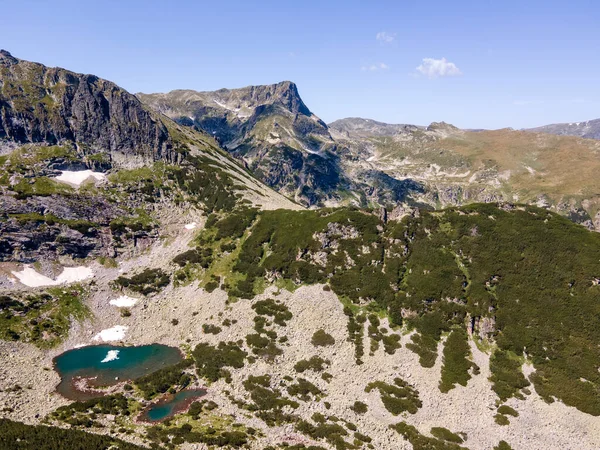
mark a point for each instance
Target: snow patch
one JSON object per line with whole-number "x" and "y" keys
{"x": 115, "y": 333}
{"x": 123, "y": 301}
{"x": 111, "y": 356}
{"x": 31, "y": 278}
{"x": 191, "y": 226}
{"x": 79, "y": 176}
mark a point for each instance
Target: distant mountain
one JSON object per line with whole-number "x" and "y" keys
{"x": 368, "y": 127}
{"x": 456, "y": 167}
{"x": 589, "y": 129}
{"x": 269, "y": 127}
{"x": 281, "y": 142}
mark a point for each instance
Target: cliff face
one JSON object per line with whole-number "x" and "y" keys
{"x": 39, "y": 104}
{"x": 268, "y": 127}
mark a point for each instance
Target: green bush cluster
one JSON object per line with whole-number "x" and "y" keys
{"x": 201, "y": 256}
{"x": 18, "y": 436}
{"x": 397, "y": 397}
{"x": 268, "y": 402}
{"x": 211, "y": 362}
{"x": 163, "y": 380}
{"x": 305, "y": 390}
{"x": 333, "y": 433}
{"x": 456, "y": 360}
{"x": 507, "y": 377}
{"x": 85, "y": 413}
{"x": 446, "y": 435}
{"x": 422, "y": 442}
{"x": 322, "y": 339}
{"x": 359, "y": 407}
{"x": 315, "y": 363}
{"x": 43, "y": 319}
{"x": 146, "y": 282}
{"x": 356, "y": 330}
{"x": 173, "y": 436}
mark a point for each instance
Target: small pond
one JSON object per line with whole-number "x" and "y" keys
{"x": 170, "y": 405}
{"x": 107, "y": 365}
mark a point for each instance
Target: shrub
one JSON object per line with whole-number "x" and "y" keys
{"x": 446, "y": 435}
{"x": 359, "y": 407}
{"x": 322, "y": 339}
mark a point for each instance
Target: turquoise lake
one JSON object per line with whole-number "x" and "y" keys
{"x": 171, "y": 405}
{"x": 107, "y": 365}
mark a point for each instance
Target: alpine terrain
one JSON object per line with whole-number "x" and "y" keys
{"x": 200, "y": 270}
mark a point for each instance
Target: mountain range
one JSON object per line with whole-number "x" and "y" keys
{"x": 260, "y": 279}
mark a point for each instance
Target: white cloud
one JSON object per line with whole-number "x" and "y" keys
{"x": 374, "y": 67}
{"x": 384, "y": 36}
{"x": 434, "y": 68}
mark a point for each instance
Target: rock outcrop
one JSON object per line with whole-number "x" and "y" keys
{"x": 39, "y": 104}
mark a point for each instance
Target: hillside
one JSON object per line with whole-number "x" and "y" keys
{"x": 269, "y": 128}
{"x": 459, "y": 167}
{"x": 590, "y": 129}
{"x": 137, "y": 246}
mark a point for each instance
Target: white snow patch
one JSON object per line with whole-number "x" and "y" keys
{"x": 191, "y": 226}
{"x": 79, "y": 176}
{"x": 29, "y": 277}
{"x": 123, "y": 301}
{"x": 111, "y": 356}
{"x": 79, "y": 345}
{"x": 115, "y": 333}
{"x": 530, "y": 170}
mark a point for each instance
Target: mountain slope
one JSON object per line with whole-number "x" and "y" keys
{"x": 269, "y": 127}
{"x": 589, "y": 129}
{"x": 55, "y": 122}
{"x": 459, "y": 167}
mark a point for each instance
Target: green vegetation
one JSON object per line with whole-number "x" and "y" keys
{"x": 211, "y": 362}
{"x": 529, "y": 270}
{"x": 173, "y": 436}
{"x": 446, "y": 435}
{"x": 83, "y": 226}
{"x": 163, "y": 380}
{"x": 421, "y": 442}
{"x": 146, "y": 282}
{"x": 268, "y": 402}
{"x": 508, "y": 411}
{"x": 264, "y": 342}
{"x": 305, "y": 390}
{"x": 502, "y": 445}
{"x": 359, "y": 407}
{"x": 315, "y": 363}
{"x": 85, "y": 413}
{"x": 18, "y": 436}
{"x": 397, "y": 397}
{"x": 456, "y": 360}
{"x": 322, "y": 339}
{"x": 42, "y": 319}
{"x": 356, "y": 329}
{"x": 501, "y": 419}
{"x": 507, "y": 377}
{"x": 332, "y": 433}
{"x": 280, "y": 313}
{"x": 211, "y": 329}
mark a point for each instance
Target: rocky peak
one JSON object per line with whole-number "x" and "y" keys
{"x": 6, "y": 58}
{"x": 441, "y": 126}
{"x": 53, "y": 105}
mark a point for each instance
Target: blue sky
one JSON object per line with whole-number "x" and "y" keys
{"x": 507, "y": 63}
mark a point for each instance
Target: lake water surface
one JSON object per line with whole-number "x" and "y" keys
{"x": 107, "y": 365}
{"x": 171, "y": 405}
